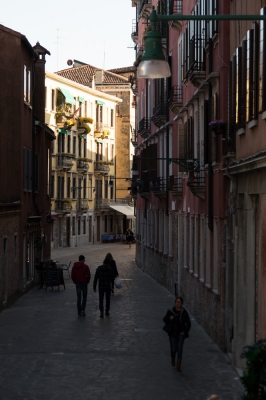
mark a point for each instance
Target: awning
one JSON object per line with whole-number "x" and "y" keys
{"x": 125, "y": 209}
{"x": 81, "y": 99}
{"x": 68, "y": 96}
{"x": 100, "y": 102}
{"x": 63, "y": 131}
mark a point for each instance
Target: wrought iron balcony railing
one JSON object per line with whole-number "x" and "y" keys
{"x": 159, "y": 187}
{"x": 64, "y": 162}
{"x": 63, "y": 205}
{"x": 159, "y": 113}
{"x": 176, "y": 185}
{"x": 176, "y": 99}
{"x": 101, "y": 204}
{"x": 196, "y": 183}
{"x": 176, "y": 7}
{"x": 134, "y": 34}
{"x": 144, "y": 127}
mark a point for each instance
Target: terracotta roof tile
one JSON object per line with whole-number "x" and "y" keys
{"x": 84, "y": 75}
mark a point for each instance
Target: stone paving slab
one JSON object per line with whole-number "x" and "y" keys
{"x": 46, "y": 352}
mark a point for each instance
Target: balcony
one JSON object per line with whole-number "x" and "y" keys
{"x": 82, "y": 204}
{"x": 144, "y": 189}
{"x": 63, "y": 205}
{"x": 176, "y": 186}
{"x": 82, "y": 166}
{"x": 144, "y": 128}
{"x": 159, "y": 113}
{"x": 101, "y": 167}
{"x": 196, "y": 183}
{"x": 176, "y": 99}
{"x": 134, "y": 34}
{"x": 98, "y": 128}
{"x": 176, "y": 7}
{"x": 145, "y": 9}
{"x": 196, "y": 71}
{"x": 64, "y": 163}
{"x": 140, "y": 50}
{"x": 103, "y": 204}
{"x": 134, "y": 138}
{"x": 158, "y": 187}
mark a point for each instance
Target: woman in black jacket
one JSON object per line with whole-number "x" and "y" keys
{"x": 180, "y": 326}
{"x": 112, "y": 264}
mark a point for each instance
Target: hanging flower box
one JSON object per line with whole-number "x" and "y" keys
{"x": 217, "y": 126}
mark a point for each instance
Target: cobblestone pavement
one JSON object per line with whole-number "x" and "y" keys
{"x": 48, "y": 353}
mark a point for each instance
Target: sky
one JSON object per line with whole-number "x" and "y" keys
{"x": 95, "y": 32}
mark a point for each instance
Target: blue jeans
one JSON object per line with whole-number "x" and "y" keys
{"x": 107, "y": 299}
{"x": 81, "y": 288}
{"x": 176, "y": 344}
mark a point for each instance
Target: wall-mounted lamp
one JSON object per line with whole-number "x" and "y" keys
{"x": 153, "y": 64}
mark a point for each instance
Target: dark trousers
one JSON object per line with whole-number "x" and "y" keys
{"x": 81, "y": 288}
{"x": 107, "y": 299}
{"x": 176, "y": 344}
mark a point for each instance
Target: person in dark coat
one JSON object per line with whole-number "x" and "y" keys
{"x": 179, "y": 330}
{"x": 81, "y": 276}
{"x": 105, "y": 275}
{"x": 112, "y": 264}
{"x": 129, "y": 237}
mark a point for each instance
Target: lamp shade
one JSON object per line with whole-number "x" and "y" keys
{"x": 152, "y": 64}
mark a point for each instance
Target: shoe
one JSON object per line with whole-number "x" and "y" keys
{"x": 83, "y": 314}
{"x": 107, "y": 313}
{"x": 101, "y": 315}
{"x": 178, "y": 365}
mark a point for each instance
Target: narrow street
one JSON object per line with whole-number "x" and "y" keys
{"x": 48, "y": 353}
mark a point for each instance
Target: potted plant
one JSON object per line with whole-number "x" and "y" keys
{"x": 218, "y": 126}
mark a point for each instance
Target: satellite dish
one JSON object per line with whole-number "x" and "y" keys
{"x": 69, "y": 62}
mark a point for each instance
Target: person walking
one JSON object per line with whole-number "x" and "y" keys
{"x": 178, "y": 332}
{"x": 105, "y": 275}
{"x": 129, "y": 237}
{"x": 112, "y": 264}
{"x": 81, "y": 276}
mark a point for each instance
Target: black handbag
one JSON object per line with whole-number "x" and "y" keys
{"x": 169, "y": 324}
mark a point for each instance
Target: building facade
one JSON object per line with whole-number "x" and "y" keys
{"x": 25, "y": 143}
{"x": 118, "y": 83}
{"x": 200, "y": 165}
{"x": 83, "y": 161}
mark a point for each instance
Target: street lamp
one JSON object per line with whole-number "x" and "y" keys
{"x": 153, "y": 64}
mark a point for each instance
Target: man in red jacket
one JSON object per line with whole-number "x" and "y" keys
{"x": 81, "y": 276}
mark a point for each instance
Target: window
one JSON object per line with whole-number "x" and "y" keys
{"x": 84, "y": 225}
{"x": 73, "y": 226}
{"x": 78, "y": 221}
{"x": 85, "y": 108}
{"x": 27, "y": 169}
{"x": 105, "y": 223}
{"x": 74, "y": 144}
{"x": 84, "y": 188}
{"x": 27, "y": 84}
{"x": 90, "y": 187}
{"x": 68, "y": 143}
{"x": 106, "y": 188}
{"x": 79, "y": 148}
{"x": 53, "y": 100}
{"x": 112, "y": 152}
{"x": 68, "y": 187}
{"x": 112, "y": 118}
{"x": 52, "y": 186}
{"x": 74, "y": 188}
{"x": 85, "y": 147}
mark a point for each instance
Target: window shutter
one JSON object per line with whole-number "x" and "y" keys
{"x": 29, "y": 169}
{"x": 249, "y": 74}
{"x": 25, "y": 168}
{"x": 242, "y": 104}
{"x": 36, "y": 173}
{"x": 262, "y": 65}
{"x": 206, "y": 130}
{"x": 181, "y": 144}
{"x": 256, "y": 70}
